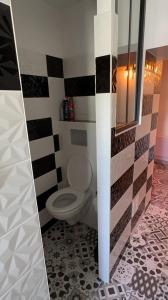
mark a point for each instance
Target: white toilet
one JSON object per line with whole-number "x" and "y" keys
{"x": 70, "y": 203}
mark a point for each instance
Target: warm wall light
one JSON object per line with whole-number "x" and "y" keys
{"x": 130, "y": 72}
{"x": 150, "y": 69}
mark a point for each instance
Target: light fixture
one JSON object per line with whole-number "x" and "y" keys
{"x": 150, "y": 69}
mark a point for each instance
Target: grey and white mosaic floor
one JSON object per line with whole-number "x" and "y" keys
{"x": 142, "y": 272}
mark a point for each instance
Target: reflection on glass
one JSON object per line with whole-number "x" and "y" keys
{"x": 128, "y": 37}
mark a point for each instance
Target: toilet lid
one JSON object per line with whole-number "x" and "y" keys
{"x": 79, "y": 173}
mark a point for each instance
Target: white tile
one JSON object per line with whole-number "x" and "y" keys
{"x": 120, "y": 245}
{"x": 138, "y": 199}
{"x": 44, "y": 217}
{"x": 148, "y": 197}
{"x": 33, "y": 285}
{"x": 45, "y": 182}
{"x": 7, "y": 2}
{"x": 153, "y": 138}
{"x": 13, "y": 132}
{"x": 148, "y": 87}
{"x": 16, "y": 195}
{"x": 140, "y": 164}
{"x": 16, "y": 206}
{"x": 56, "y": 93}
{"x": 59, "y": 158}
{"x": 150, "y": 169}
{"x": 114, "y": 104}
{"x": 85, "y": 108}
{"x": 42, "y": 147}
{"x": 79, "y": 65}
{"x": 12, "y": 110}
{"x": 144, "y": 127}
{"x": 38, "y": 108}
{"x": 156, "y": 99}
{"x": 114, "y": 29}
{"x": 102, "y": 34}
{"x": 121, "y": 162}
{"x": 32, "y": 62}
{"x": 14, "y": 145}
{"x": 121, "y": 206}
{"x": 19, "y": 251}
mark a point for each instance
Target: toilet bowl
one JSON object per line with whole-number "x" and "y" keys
{"x": 71, "y": 203}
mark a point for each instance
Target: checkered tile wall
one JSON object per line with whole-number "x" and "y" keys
{"x": 43, "y": 89}
{"x": 132, "y": 160}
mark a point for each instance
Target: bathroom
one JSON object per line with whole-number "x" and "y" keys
{"x": 102, "y": 159}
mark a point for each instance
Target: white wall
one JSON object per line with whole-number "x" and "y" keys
{"x": 38, "y": 26}
{"x": 156, "y": 24}
{"x": 78, "y": 38}
{"x": 161, "y": 152}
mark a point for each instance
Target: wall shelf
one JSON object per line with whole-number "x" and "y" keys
{"x": 78, "y": 121}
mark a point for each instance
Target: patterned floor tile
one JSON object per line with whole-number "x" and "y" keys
{"x": 142, "y": 272}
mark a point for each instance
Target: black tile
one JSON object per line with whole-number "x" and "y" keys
{"x": 56, "y": 142}
{"x": 147, "y": 105}
{"x": 138, "y": 214}
{"x": 118, "y": 259}
{"x": 154, "y": 121}
{"x": 114, "y": 74}
{"x": 41, "y": 199}
{"x": 139, "y": 182}
{"x": 119, "y": 228}
{"x": 122, "y": 141}
{"x": 43, "y": 165}
{"x": 121, "y": 185}
{"x": 9, "y": 75}
{"x": 151, "y": 154}
{"x": 103, "y": 74}
{"x": 55, "y": 66}
{"x": 141, "y": 146}
{"x": 80, "y": 86}
{"x": 39, "y": 128}
{"x": 34, "y": 86}
{"x": 149, "y": 183}
{"x": 59, "y": 174}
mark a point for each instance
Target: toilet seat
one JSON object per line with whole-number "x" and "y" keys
{"x": 58, "y": 201}
{"x": 67, "y": 203}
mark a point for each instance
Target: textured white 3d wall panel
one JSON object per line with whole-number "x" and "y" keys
{"x": 22, "y": 266}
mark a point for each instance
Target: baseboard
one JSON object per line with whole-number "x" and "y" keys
{"x": 48, "y": 225}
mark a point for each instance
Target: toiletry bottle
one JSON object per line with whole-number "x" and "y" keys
{"x": 66, "y": 109}
{"x": 71, "y": 110}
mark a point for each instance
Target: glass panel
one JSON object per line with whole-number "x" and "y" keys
{"x": 128, "y": 37}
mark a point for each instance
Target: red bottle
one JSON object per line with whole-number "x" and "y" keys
{"x": 71, "y": 110}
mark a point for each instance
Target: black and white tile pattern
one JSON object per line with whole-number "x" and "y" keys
{"x": 43, "y": 90}
{"x": 139, "y": 180}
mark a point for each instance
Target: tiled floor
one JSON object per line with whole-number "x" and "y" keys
{"x": 142, "y": 272}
